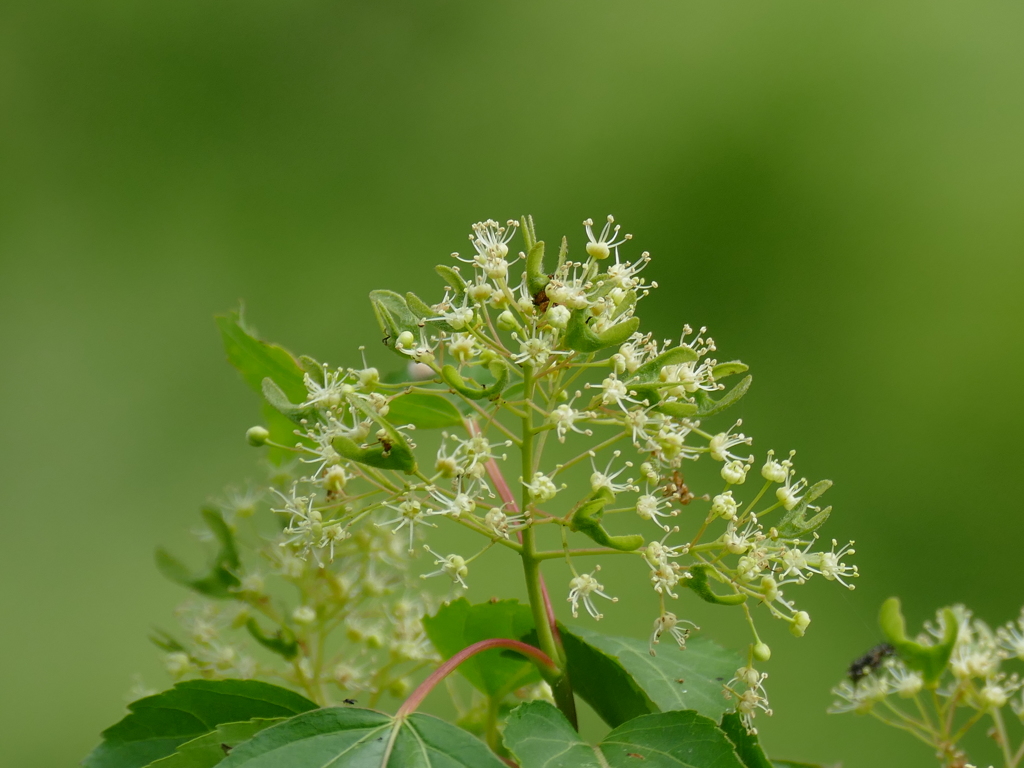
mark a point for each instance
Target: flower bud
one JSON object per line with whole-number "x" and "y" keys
{"x": 558, "y": 316}
{"x": 257, "y": 436}
{"x": 801, "y": 620}
{"x": 400, "y": 688}
{"x": 762, "y": 652}
{"x": 405, "y": 340}
{"x": 507, "y": 321}
{"x": 735, "y": 472}
{"x": 304, "y": 614}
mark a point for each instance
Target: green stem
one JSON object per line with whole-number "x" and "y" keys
{"x": 558, "y": 679}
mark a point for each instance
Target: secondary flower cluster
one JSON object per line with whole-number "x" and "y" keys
{"x": 972, "y": 683}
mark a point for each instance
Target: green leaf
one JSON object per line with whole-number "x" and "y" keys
{"x": 211, "y": 749}
{"x": 393, "y": 317}
{"x": 471, "y": 389}
{"x": 220, "y": 581}
{"x": 651, "y": 370}
{"x": 536, "y": 277}
{"x": 283, "y": 642}
{"x": 747, "y": 747}
{"x": 424, "y": 411}
{"x": 669, "y": 740}
{"x": 677, "y": 408}
{"x": 619, "y": 679}
{"x": 795, "y": 523}
{"x": 397, "y": 455}
{"x": 795, "y": 764}
{"x": 453, "y": 278}
{"x": 276, "y": 397}
{"x": 709, "y": 406}
{"x": 540, "y": 737}
{"x": 929, "y": 660}
{"x": 587, "y": 520}
{"x": 157, "y": 725}
{"x": 731, "y": 368}
{"x": 459, "y": 624}
{"x": 347, "y": 737}
{"x": 257, "y": 360}
{"x": 699, "y": 584}
{"x": 579, "y": 336}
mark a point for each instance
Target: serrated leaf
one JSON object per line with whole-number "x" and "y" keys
{"x": 747, "y": 747}
{"x": 158, "y": 725}
{"x": 620, "y": 679}
{"x": 459, "y": 624}
{"x": 424, "y": 411}
{"x": 257, "y": 360}
{"x": 210, "y": 749}
{"x": 220, "y": 581}
{"x": 795, "y": 522}
{"x": 669, "y": 740}
{"x": 539, "y": 736}
{"x": 708, "y": 406}
{"x": 347, "y": 737}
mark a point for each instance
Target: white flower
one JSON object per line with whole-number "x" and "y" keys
{"x": 829, "y": 564}
{"x": 456, "y": 506}
{"x": 581, "y": 588}
{"x": 501, "y": 523}
{"x": 735, "y": 472}
{"x": 776, "y": 471}
{"x": 624, "y": 275}
{"x": 752, "y": 698}
{"x": 668, "y": 622}
{"x": 789, "y": 493}
{"x": 304, "y": 614}
{"x": 542, "y": 489}
{"x": 1011, "y": 637}
{"x": 723, "y": 441}
{"x": 724, "y": 506}
{"x": 606, "y": 479}
{"x": 329, "y": 394}
{"x": 859, "y": 697}
{"x": 452, "y": 566}
{"x": 649, "y": 507}
{"x": 905, "y": 683}
{"x": 564, "y": 417}
{"x": 463, "y": 347}
{"x": 600, "y": 247}
{"x": 490, "y": 241}
{"x": 411, "y": 514}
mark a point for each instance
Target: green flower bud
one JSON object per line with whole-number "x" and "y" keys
{"x": 257, "y": 436}
{"x": 801, "y": 620}
{"x": 762, "y": 652}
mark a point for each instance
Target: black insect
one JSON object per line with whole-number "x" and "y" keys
{"x": 226, "y": 749}
{"x": 350, "y": 701}
{"x": 870, "y": 661}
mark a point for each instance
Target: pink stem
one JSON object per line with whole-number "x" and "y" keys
{"x": 501, "y": 486}
{"x": 416, "y": 698}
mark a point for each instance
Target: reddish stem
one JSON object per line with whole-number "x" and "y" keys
{"x": 416, "y": 698}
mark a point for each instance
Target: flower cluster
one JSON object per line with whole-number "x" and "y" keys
{"x": 940, "y": 705}
{"x": 522, "y": 353}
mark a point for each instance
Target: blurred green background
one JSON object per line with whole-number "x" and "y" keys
{"x": 835, "y": 188}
